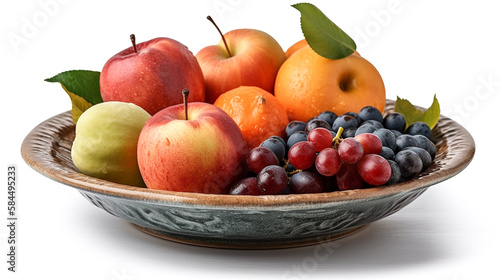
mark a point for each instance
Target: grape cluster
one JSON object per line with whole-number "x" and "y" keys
{"x": 334, "y": 153}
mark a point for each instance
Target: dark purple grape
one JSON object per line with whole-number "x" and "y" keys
{"x": 349, "y": 132}
{"x": 328, "y": 116}
{"x": 315, "y": 123}
{"x": 405, "y": 140}
{"x": 306, "y": 182}
{"x": 294, "y": 126}
{"x": 395, "y": 173}
{"x": 275, "y": 144}
{"x": 279, "y": 139}
{"x": 387, "y": 153}
{"x": 388, "y": 138}
{"x": 356, "y": 116}
{"x": 424, "y": 156}
{"x": 334, "y": 134}
{"x": 272, "y": 179}
{"x": 365, "y": 128}
{"x": 409, "y": 163}
{"x": 344, "y": 121}
{"x": 397, "y": 133}
{"x": 419, "y": 128}
{"x": 295, "y": 138}
{"x": 287, "y": 190}
{"x": 261, "y": 157}
{"x": 290, "y": 168}
{"x": 246, "y": 186}
{"x": 375, "y": 123}
{"x": 395, "y": 121}
{"x": 426, "y": 144}
{"x": 371, "y": 113}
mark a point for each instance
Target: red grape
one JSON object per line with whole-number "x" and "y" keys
{"x": 348, "y": 177}
{"x": 321, "y": 138}
{"x": 302, "y": 155}
{"x": 328, "y": 162}
{"x": 261, "y": 157}
{"x": 371, "y": 143}
{"x": 350, "y": 150}
{"x": 374, "y": 169}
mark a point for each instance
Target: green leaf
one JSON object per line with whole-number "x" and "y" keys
{"x": 431, "y": 116}
{"x": 82, "y": 83}
{"x": 78, "y": 105}
{"x": 413, "y": 114}
{"x": 324, "y": 36}
{"x": 82, "y": 86}
{"x": 410, "y": 112}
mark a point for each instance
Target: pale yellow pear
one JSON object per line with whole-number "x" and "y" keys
{"x": 105, "y": 144}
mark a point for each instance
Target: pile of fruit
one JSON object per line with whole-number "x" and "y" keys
{"x": 246, "y": 117}
{"x": 331, "y": 153}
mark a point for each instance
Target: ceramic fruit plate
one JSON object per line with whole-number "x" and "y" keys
{"x": 251, "y": 222}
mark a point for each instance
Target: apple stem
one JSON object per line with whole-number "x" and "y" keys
{"x": 132, "y": 38}
{"x": 185, "y": 94}
{"x": 222, "y": 35}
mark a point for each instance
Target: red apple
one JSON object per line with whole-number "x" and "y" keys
{"x": 152, "y": 74}
{"x": 252, "y": 58}
{"x": 205, "y": 153}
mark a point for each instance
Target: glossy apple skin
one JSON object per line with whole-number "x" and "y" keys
{"x": 256, "y": 58}
{"x": 205, "y": 154}
{"x": 154, "y": 77}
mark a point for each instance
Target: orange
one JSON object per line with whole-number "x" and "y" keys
{"x": 257, "y": 112}
{"x": 308, "y": 84}
{"x": 293, "y": 48}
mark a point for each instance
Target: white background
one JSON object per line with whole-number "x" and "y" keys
{"x": 450, "y": 48}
